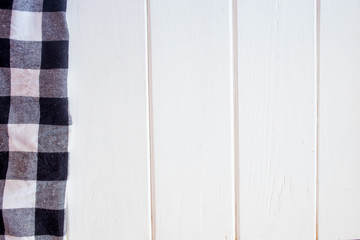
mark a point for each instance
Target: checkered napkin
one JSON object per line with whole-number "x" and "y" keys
{"x": 34, "y": 119}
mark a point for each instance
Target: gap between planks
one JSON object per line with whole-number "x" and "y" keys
{"x": 150, "y": 121}
{"x": 235, "y": 118}
{"x": 317, "y": 87}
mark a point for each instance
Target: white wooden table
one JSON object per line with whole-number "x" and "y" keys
{"x": 214, "y": 119}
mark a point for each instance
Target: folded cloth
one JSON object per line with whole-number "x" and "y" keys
{"x": 34, "y": 119}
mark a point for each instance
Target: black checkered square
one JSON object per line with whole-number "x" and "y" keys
{"x": 52, "y": 166}
{"x": 49, "y": 222}
{"x": 54, "y": 54}
{"x": 54, "y": 111}
{"x": 6, "y": 4}
{"x": 4, "y": 162}
{"x": 4, "y": 109}
{"x": 4, "y": 53}
{"x": 34, "y": 119}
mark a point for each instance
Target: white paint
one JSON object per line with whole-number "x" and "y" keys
{"x": 108, "y": 187}
{"x": 214, "y": 85}
{"x": 192, "y": 97}
{"x": 276, "y": 119}
{"x": 339, "y": 126}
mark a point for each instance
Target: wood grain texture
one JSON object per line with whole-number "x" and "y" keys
{"x": 339, "y": 118}
{"x": 192, "y": 109}
{"x": 277, "y": 106}
{"x": 108, "y": 187}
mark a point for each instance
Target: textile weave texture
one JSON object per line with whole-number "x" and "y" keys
{"x": 34, "y": 119}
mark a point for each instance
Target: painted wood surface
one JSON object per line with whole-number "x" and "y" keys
{"x": 108, "y": 187}
{"x": 339, "y": 120}
{"x": 192, "y": 116}
{"x": 214, "y": 120}
{"x": 276, "y": 119}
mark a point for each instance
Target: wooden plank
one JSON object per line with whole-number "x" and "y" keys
{"x": 192, "y": 113}
{"x": 108, "y": 187}
{"x": 276, "y": 47}
{"x": 339, "y": 118}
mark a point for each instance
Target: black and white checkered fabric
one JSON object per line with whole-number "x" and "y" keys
{"x": 34, "y": 121}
